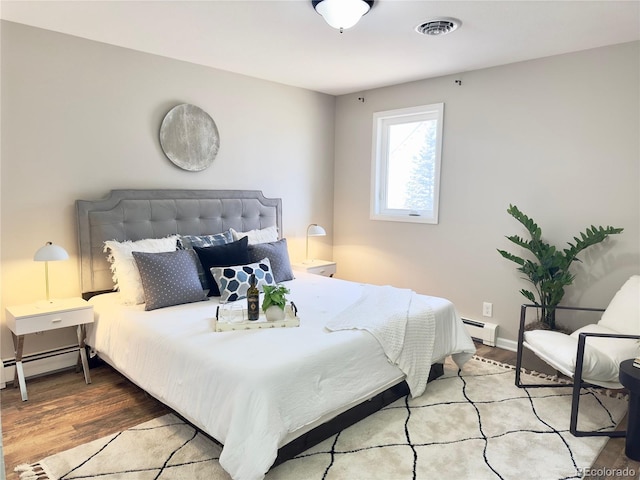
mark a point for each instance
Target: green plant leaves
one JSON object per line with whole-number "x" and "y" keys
{"x": 590, "y": 236}
{"x": 530, "y": 296}
{"x": 549, "y": 273}
{"x": 274, "y": 295}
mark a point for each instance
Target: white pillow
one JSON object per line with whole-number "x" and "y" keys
{"x": 615, "y": 349}
{"x": 623, "y": 313}
{"x": 269, "y": 234}
{"x": 602, "y": 356}
{"x": 123, "y": 266}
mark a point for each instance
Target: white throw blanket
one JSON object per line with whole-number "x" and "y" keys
{"x": 403, "y": 323}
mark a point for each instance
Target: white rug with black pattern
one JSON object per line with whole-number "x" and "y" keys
{"x": 474, "y": 424}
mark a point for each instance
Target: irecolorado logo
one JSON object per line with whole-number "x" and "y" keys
{"x": 626, "y": 472}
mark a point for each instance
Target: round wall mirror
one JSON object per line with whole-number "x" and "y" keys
{"x": 189, "y": 137}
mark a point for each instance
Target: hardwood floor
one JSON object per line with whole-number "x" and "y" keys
{"x": 63, "y": 412}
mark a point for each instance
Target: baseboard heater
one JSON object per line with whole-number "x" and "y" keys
{"x": 484, "y": 332}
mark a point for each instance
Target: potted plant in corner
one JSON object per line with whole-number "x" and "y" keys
{"x": 549, "y": 272}
{"x": 274, "y": 301}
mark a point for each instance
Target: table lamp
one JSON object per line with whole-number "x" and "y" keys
{"x": 46, "y": 254}
{"x": 313, "y": 230}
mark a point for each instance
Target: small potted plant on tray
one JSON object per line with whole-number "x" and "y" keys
{"x": 274, "y": 301}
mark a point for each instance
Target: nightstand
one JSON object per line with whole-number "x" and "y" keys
{"x": 317, "y": 267}
{"x": 39, "y": 317}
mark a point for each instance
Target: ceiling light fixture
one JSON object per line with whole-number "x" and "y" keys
{"x": 342, "y": 14}
{"x": 438, "y": 26}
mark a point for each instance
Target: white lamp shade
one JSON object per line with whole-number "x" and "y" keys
{"x": 50, "y": 253}
{"x": 315, "y": 231}
{"x": 342, "y": 14}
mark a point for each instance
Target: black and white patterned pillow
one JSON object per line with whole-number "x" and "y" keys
{"x": 169, "y": 278}
{"x": 278, "y": 255}
{"x": 233, "y": 282}
{"x": 187, "y": 242}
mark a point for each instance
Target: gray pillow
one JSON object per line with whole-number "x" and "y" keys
{"x": 278, "y": 256}
{"x": 169, "y": 278}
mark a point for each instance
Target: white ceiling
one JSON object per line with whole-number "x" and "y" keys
{"x": 286, "y": 41}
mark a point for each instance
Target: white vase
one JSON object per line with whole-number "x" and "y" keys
{"x": 274, "y": 313}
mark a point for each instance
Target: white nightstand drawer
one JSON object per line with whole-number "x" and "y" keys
{"x": 49, "y": 321}
{"x": 25, "y": 319}
{"x": 324, "y": 270}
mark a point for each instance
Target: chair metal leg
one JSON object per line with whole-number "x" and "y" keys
{"x": 578, "y": 384}
{"x": 523, "y": 311}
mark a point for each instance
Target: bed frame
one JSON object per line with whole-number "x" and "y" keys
{"x": 138, "y": 214}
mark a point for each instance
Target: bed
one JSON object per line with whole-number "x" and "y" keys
{"x": 265, "y": 394}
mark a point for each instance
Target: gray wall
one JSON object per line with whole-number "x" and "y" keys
{"x": 80, "y": 118}
{"x": 558, "y": 137}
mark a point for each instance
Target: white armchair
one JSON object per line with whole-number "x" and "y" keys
{"x": 592, "y": 354}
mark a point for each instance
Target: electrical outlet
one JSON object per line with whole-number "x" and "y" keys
{"x": 487, "y": 309}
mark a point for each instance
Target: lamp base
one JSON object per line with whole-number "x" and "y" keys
{"x": 46, "y": 304}
{"x": 315, "y": 262}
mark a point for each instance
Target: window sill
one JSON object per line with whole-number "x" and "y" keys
{"x": 404, "y": 218}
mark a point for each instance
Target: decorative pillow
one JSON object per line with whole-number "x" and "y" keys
{"x": 187, "y": 242}
{"x": 277, "y": 254}
{"x": 269, "y": 234}
{"x": 123, "y": 266}
{"x": 169, "y": 278}
{"x": 234, "y": 253}
{"x": 234, "y": 281}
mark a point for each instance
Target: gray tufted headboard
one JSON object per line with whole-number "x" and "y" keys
{"x": 138, "y": 214}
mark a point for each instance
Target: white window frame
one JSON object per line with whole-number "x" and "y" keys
{"x": 380, "y": 161}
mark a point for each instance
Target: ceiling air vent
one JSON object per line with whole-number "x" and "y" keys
{"x": 438, "y": 26}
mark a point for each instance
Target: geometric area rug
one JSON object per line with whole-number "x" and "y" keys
{"x": 470, "y": 424}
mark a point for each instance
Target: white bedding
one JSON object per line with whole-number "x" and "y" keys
{"x": 253, "y": 390}
{"x": 404, "y": 324}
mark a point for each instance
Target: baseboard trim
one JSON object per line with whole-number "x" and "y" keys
{"x": 38, "y": 367}
{"x": 506, "y": 344}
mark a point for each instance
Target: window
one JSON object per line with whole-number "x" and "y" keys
{"x": 407, "y": 145}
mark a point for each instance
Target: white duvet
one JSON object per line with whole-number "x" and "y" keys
{"x": 254, "y": 389}
{"x": 404, "y": 324}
